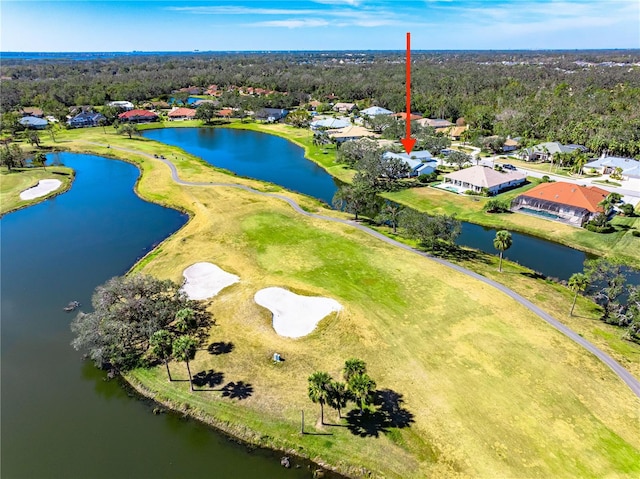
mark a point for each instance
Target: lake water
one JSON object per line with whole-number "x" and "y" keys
{"x": 60, "y": 417}
{"x": 274, "y": 159}
{"x": 254, "y": 155}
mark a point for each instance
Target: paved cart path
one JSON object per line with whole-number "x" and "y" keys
{"x": 617, "y": 368}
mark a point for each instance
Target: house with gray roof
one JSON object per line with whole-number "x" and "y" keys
{"x": 420, "y": 162}
{"x": 86, "y": 118}
{"x": 477, "y": 178}
{"x": 546, "y": 151}
{"x": 33, "y": 122}
{"x": 271, "y": 115}
{"x": 607, "y": 164}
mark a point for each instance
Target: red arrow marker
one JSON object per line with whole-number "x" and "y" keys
{"x": 408, "y": 142}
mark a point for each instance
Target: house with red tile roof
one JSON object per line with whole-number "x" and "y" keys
{"x": 225, "y": 113}
{"x": 560, "y": 201}
{"x": 138, "y": 116}
{"x": 182, "y": 114}
{"x": 403, "y": 116}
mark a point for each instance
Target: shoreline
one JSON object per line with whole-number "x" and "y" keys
{"x": 237, "y": 432}
{"x": 262, "y": 128}
{"x": 66, "y": 186}
{"x": 244, "y": 436}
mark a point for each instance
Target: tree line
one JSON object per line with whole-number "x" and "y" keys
{"x": 571, "y": 97}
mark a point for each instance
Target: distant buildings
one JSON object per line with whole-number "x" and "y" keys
{"x": 138, "y": 116}
{"x": 629, "y": 167}
{"x": 33, "y": 122}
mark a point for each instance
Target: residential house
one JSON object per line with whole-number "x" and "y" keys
{"x": 561, "y": 201}
{"x": 352, "y": 132}
{"x": 86, "y": 118}
{"x": 314, "y": 104}
{"x": 182, "y": 114}
{"x": 122, "y": 105}
{"x": 479, "y": 178}
{"x": 435, "y": 122}
{"x": 138, "y": 116}
{"x": 403, "y": 116}
{"x": 32, "y": 111}
{"x": 344, "y": 107}
{"x": 375, "y": 111}
{"x": 420, "y": 162}
{"x": 630, "y": 168}
{"x": 225, "y": 113}
{"x": 546, "y": 151}
{"x": 511, "y": 144}
{"x": 271, "y": 115}
{"x": 197, "y": 103}
{"x": 157, "y": 105}
{"x": 33, "y": 122}
{"x": 453, "y": 132}
{"x": 330, "y": 123}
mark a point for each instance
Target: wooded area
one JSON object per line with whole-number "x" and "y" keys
{"x": 586, "y": 97}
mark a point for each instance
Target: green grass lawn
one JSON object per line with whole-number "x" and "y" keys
{"x": 488, "y": 389}
{"x": 12, "y": 183}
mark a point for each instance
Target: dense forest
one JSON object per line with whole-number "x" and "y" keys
{"x": 585, "y": 97}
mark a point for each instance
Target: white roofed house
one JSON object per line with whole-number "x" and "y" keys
{"x": 123, "y": 105}
{"x": 477, "y": 178}
{"x": 546, "y": 151}
{"x": 628, "y": 167}
{"x": 375, "y": 111}
{"x": 420, "y": 162}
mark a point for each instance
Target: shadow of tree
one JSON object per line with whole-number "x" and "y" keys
{"x": 220, "y": 348}
{"x": 239, "y": 390}
{"x": 209, "y": 378}
{"x": 455, "y": 252}
{"x": 389, "y": 413}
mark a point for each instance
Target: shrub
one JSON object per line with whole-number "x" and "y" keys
{"x": 627, "y": 209}
{"x": 546, "y": 179}
{"x": 431, "y": 177}
{"x": 495, "y": 205}
{"x": 635, "y": 233}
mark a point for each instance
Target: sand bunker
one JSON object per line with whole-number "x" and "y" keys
{"x": 44, "y": 187}
{"x": 205, "y": 280}
{"x": 295, "y": 316}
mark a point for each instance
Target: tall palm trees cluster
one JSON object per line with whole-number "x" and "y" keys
{"x": 358, "y": 387}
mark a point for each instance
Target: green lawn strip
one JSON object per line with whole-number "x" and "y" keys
{"x": 464, "y": 370}
{"x": 418, "y": 340}
{"x": 13, "y": 182}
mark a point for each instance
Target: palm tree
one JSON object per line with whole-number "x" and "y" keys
{"x": 338, "y": 396}
{"x": 390, "y": 213}
{"x": 319, "y": 383}
{"x": 185, "y": 320}
{"x": 577, "y": 282}
{"x": 184, "y": 349}
{"x": 362, "y": 386}
{"x": 352, "y": 367}
{"x": 161, "y": 344}
{"x": 40, "y": 159}
{"x": 502, "y": 242}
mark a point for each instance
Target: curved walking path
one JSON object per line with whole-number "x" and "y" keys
{"x": 617, "y": 368}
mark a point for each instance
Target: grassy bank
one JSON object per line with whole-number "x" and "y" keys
{"x": 621, "y": 244}
{"x": 13, "y": 182}
{"x": 485, "y": 388}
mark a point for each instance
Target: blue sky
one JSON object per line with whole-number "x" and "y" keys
{"x": 183, "y": 25}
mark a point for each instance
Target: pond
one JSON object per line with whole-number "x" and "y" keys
{"x": 274, "y": 159}
{"x": 254, "y": 155}
{"x": 61, "y": 418}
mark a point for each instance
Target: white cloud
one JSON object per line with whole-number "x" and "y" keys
{"x": 292, "y": 23}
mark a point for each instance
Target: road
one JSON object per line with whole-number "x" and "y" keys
{"x": 630, "y": 189}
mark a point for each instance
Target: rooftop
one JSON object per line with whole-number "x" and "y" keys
{"x": 586, "y": 197}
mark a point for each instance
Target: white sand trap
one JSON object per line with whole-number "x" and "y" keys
{"x": 44, "y": 187}
{"x": 205, "y": 280}
{"x": 295, "y": 316}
